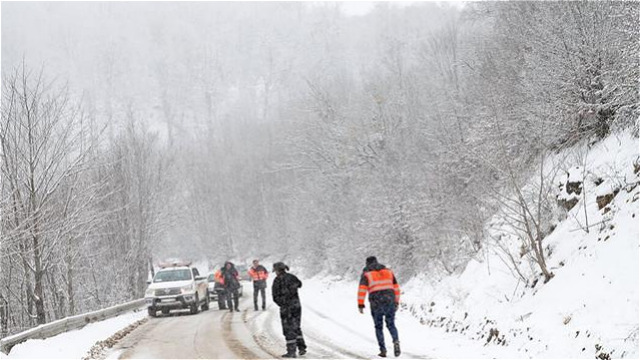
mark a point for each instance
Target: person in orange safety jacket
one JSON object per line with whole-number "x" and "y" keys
{"x": 219, "y": 288}
{"x": 259, "y": 275}
{"x": 384, "y": 298}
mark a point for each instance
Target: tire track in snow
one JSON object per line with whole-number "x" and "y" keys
{"x": 318, "y": 347}
{"x": 316, "y": 352}
{"x": 195, "y": 339}
{"x": 351, "y": 331}
{"x": 260, "y": 337}
{"x": 232, "y": 341}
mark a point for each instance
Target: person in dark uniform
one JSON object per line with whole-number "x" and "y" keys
{"x": 285, "y": 295}
{"x": 231, "y": 285}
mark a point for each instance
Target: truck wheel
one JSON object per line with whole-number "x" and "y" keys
{"x": 151, "y": 312}
{"x": 205, "y": 306}
{"x": 165, "y": 311}
{"x": 195, "y": 308}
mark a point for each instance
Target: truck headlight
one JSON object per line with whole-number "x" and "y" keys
{"x": 149, "y": 292}
{"x": 186, "y": 289}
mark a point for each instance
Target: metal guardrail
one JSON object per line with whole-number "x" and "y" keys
{"x": 67, "y": 324}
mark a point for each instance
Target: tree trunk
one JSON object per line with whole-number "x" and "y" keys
{"x": 56, "y": 301}
{"x": 38, "y": 279}
{"x": 541, "y": 260}
{"x": 27, "y": 283}
{"x": 4, "y": 321}
{"x": 153, "y": 271}
{"x": 70, "y": 292}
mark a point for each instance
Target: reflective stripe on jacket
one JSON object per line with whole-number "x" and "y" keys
{"x": 381, "y": 284}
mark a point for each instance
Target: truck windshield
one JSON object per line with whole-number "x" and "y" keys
{"x": 172, "y": 275}
{"x": 211, "y": 278}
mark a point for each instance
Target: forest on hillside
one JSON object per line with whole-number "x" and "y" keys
{"x": 140, "y": 131}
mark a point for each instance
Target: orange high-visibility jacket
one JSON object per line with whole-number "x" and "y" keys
{"x": 379, "y": 281}
{"x": 218, "y": 277}
{"x": 259, "y": 273}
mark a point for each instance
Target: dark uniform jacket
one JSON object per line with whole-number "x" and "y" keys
{"x": 230, "y": 277}
{"x": 285, "y": 290}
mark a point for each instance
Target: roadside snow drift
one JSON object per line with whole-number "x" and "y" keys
{"x": 590, "y": 307}
{"x": 73, "y": 344}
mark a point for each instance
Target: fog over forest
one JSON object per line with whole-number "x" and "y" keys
{"x": 296, "y": 131}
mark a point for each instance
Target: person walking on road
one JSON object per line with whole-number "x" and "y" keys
{"x": 384, "y": 298}
{"x": 231, "y": 285}
{"x": 285, "y": 295}
{"x": 259, "y": 276}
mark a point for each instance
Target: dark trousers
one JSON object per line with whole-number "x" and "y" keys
{"x": 290, "y": 317}
{"x": 259, "y": 287}
{"x": 232, "y": 299}
{"x": 222, "y": 299}
{"x": 384, "y": 312}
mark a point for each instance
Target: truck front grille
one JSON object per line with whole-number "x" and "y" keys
{"x": 164, "y": 292}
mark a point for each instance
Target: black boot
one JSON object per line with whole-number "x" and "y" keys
{"x": 302, "y": 352}
{"x": 396, "y": 348}
{"x": 382, "y": 353}
{"x": 291, "y": 351}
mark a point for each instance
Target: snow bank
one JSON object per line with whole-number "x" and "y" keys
{"x": 590, "y": 307}
{"x": 330, "y": 308}
{"x": 72, "y": 344}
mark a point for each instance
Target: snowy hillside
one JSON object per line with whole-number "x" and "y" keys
{"x": 590, "y": 306}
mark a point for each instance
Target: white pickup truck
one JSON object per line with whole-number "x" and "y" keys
{"x": 177, "y": 287}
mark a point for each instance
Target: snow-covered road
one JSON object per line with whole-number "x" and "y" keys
{"x": 220, "y": 334}
{"x": 331, "y": 324}
{"x": 213, "y": 334}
